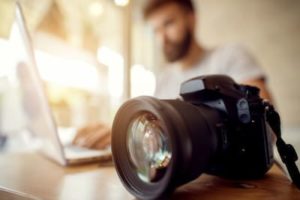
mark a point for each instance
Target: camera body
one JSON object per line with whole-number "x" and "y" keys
{"x": 218, "y": 127}
{"x": 244, "y": 149}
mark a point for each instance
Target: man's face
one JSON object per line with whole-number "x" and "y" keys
{"x": 173, "y": 27}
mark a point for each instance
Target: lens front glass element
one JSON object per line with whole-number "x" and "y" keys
{"x": 148, "y": 146}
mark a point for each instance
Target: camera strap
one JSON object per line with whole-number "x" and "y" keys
{"x": 287, "y": 152}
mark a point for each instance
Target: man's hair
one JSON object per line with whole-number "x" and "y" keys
{"x": 152, "y": 5}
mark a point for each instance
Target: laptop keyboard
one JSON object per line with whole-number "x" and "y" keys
{"x": 72, "y": 151}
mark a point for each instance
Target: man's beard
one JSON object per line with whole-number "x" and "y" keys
{"x": 174, "y": 51}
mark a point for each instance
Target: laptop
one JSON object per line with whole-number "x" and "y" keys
{"x": 36, "y": 107}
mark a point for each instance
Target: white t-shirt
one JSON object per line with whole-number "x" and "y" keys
{"x": 232, "y": 60}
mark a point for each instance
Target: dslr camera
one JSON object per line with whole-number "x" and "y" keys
{"x": 218, "y": 127}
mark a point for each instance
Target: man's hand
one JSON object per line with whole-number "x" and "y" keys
{"x": 94, "y": 136}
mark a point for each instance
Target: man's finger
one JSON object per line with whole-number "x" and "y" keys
{"x": 103, "y": 143}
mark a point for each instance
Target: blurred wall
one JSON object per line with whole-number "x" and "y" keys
{"x": 271, "y": 31}
{"x": 6, "y": 17}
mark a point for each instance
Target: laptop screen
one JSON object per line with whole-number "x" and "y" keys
{"x": 34, "y": 102}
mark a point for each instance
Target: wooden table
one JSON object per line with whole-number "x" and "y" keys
{"x": 31, "y": 176}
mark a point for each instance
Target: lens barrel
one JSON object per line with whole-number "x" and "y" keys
{"x": 158, "y": 145}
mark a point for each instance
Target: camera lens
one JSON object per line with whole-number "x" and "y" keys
{"x": 148, "y": 147}
{"x": 158, "y": 145}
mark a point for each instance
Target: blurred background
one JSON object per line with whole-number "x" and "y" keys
{"x": 94, "y": 54}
